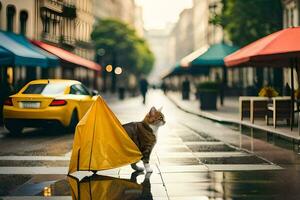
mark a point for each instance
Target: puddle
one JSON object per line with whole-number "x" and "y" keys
{"x": 93, "y": 187}
{"x": 11, "y": 182}
{"x": 265, "y": 136}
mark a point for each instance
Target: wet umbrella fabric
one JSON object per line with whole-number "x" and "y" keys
{"x": 104, "y": 188}
{"x": 100, "y": 141}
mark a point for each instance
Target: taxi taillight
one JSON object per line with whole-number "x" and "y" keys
{"x": 58, "y": 102}
{"x": 8, "y": 102}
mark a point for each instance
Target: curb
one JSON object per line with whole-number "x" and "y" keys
{"x": 235, "y": 122}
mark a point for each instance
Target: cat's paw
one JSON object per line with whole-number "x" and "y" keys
{"x": 148, "y": 168}
{"x": 137, "y": 168}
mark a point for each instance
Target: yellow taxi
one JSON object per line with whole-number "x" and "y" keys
{"x": 47, "y": 103}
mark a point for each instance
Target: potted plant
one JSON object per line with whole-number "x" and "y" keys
{"x": 268, "y": 92}
{"x": 208, "y": 93}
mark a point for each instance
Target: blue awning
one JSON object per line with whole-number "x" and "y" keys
{"x": 178, "y": 70}
{"x": 24, "y": 53}
{"x": 214, "y": 56}
{"x": 6, "y": 57}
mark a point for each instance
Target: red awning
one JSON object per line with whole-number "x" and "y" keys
{"x": 67, "y": 56}
{"x": 275, "y": 50}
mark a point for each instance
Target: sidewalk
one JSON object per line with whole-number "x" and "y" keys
{"x": 229, "y": 113}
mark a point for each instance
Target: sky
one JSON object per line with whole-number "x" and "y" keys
{"x": 158, "y": 13}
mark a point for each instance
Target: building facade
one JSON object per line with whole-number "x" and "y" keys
{"x": 206, "y": 33}
{"x": 119, "y": 9}
{"x": 63, "y": 23}
{"x": 291, "y": 18}
{"x": 158, "y": 41}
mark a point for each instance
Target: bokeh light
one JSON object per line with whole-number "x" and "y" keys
{"x": 118, "y": 70}
{"x": 109, "y": 68}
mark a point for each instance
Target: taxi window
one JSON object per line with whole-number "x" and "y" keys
{"x": 46, "y": 89}
{"x": 79, "y": 89}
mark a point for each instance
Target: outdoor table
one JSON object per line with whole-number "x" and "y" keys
{"x": 244, "y": 106}
{"x": 258, "y": 107}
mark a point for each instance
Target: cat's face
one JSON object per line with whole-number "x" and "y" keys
{"x": 155, "y": 117}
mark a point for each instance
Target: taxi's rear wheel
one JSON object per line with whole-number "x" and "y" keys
{"x": 73, "y": 121}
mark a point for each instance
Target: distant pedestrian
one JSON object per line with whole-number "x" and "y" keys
{"x": 186, "y": 89}
{"x": 164, "y": 87}
{"x": 143, "y": 88}
{"x": 221, "y": 88}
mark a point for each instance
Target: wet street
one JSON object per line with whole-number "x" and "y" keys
{"x": 194, "y": 158}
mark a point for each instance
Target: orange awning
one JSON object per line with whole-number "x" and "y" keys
{"x": 273, "y": 50}
{"x": 67, "y": 56}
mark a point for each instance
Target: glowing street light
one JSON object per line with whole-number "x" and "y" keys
{"x": 118, "y": 70}
{"x": 109, "y": 68}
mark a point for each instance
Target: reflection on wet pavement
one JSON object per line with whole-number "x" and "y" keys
{"x": 104, "y": 187}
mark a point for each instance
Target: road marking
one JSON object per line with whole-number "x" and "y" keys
{"x": 220, "y": 154}
{"x": 35, "y": 158}
{"x": 243, "y": 167}
{"x": 202, "y": 154}
{"x": 33, "y": 170}
{"x": 36, "y": 198}
{"x": 183, "y": 168}
{"x": 203, "y": 143}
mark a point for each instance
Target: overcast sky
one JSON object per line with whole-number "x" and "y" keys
{"x": 157, "y": 13}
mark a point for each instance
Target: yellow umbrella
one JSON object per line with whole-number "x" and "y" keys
{"x": 100, "y": 141}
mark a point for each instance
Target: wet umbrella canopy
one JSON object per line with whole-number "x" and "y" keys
{"x": 100, "y": 141}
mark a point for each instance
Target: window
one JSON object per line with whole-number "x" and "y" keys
{"x": 79, "y": 89}
{"x": 23, "y": 22}
{"x": 0, "y": 12}
{"x": 46, "y": 89}
{"x": 10, "y": 17}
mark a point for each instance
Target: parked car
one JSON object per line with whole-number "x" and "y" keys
{"x": 47, "y": 103}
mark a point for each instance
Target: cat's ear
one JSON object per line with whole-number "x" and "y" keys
{"x": 160, "y": 109}
{"x": 152, "y": 111}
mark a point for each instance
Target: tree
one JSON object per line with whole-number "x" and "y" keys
{"x": 245, "y": 21}
{"x": 122, "y": 47}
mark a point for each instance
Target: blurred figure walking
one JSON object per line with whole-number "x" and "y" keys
{"x": 143, "y": 88}
{"x": 185, "y": 89}
{"x": 164, "y": 87}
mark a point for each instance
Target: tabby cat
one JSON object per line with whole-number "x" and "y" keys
{"x": 144, "y": 135}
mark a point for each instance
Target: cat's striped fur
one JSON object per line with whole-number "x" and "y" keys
{"x": 144, "y": 134}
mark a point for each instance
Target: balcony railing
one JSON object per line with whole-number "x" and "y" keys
{"x": 68, "y": 41}
{"x": 54, "y": 5}
{"x": 50, "y": 38}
